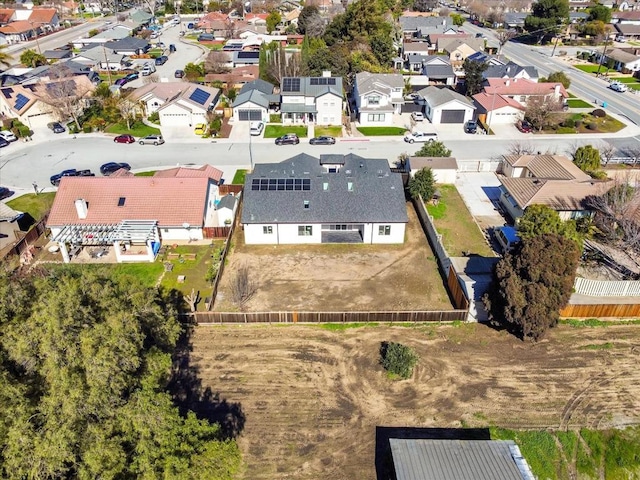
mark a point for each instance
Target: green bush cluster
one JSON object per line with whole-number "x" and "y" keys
{"x": 398, "y": 359}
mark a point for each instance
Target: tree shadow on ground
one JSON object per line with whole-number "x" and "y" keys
{"x": 383, "y": 458}
{"x": 189, "y": 394}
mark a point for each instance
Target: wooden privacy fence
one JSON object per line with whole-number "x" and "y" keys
{"x": 435, "y": 239}
{"x": 607, "y": 288}
{"x": 225, "y": 189}
{"x": 613, "y": 310}
{"x": 30, "y": 237}
{"x": 329, "y": 317}
{"x": 223, "y": 257}
{"x": 215, "y": 232}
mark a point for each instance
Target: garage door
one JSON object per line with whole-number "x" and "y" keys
{"x": 452, "y": 116}
{"x": 249, "y": 115}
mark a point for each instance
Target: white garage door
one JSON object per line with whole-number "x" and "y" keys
{"x": 252, "y": 115}
{"x": 174, "y": 120}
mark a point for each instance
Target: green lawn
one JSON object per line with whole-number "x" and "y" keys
{"x": 150, "y": 173}
{"x": 114, "y": 76}
{"x": 593, "y": 68}
{"x": 459, "y": 231}
{"x": 333, "y": 131}
{"x": 34, "y": 205}
{"x": 578, "y": 103}
{"x": 238, "y": 178}
{"x": 138, "y": 129}
{"x": 381, "y": 131}
{"x": 627, "y": 80}
{"x": 607, "y": 124}
{"x": 275, "y": 131}
{"x": 147, "y": 273}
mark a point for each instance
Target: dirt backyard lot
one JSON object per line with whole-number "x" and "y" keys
{"x": 313, "y": 398}
{"x": 339, "y": 277}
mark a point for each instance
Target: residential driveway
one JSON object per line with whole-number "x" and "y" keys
{"x": 180, "y": 134}
{"x": 240, "y": 132}
{"x": 480, "y": 192}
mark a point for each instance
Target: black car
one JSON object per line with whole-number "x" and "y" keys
{"x": 179, "y": 74}
{"x": 72, "y": 172}
{"x": 5, "y": 193}
{"x": 323, "y": 140}
{"x": 288, "y": 139}
{"x": 111, "y": 167}
{"x": 162, "y": 60}
{"x": 55, "y": 127}
{"x": 471, "y": 126}
{"x": 3, "y": 142}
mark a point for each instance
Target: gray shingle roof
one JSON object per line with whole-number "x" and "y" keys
{"x": 377, "y": 194}
{"x": 228, "y": 201}
{"x": 258, "y": 84}
{"x": 253, "y": 96}
{"x": 510, "y": 70}
{"x": 410, "y": 23}
{"x": 127, "y": 43}
{"x": 454, "y": 460}
{"x": 382, "y": 82}
{"x": 439, "y": 96}
{"x": 439, "y": 71}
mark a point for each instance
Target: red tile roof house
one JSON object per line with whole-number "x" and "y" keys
{"x": 521, "y": 89}
{"x": 134, "y": 215}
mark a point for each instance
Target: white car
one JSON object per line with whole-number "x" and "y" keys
{"x": 420, "y": 137}
{"x": 256, "y": 128}
{"x": 618, "y": 87}
{"x": 417, "y": 116}
{"x": 8, "y": 136}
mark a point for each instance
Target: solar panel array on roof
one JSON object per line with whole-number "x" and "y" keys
{"x": 199, "y": 96}
{"x": 291, "y": 85}
{"x": 322, "y": 81}
{"x": 7, "y": 92}
{"x": 281, "y": 184}
{"x": 21, "y": 101}
{"x": 248, "y": 54}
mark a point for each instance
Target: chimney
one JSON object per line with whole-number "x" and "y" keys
{"x": 326, "y": 73}
{"x": 556, "y": 90}
{"x": 82, "y": 208}
{"x": 444, "y": 22}
{"x": 507, "y": 83}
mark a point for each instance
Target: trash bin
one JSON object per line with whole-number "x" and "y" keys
{"x": 604, "y": 104}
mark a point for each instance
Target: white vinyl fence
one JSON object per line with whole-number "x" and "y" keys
{"x": 607, "y": 288}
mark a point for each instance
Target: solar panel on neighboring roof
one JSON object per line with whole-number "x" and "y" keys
{"x": 281, "y": 184}
{"x": 21, "y": 101}
{"x": 291, "y": 85}
{"x": 199, "y": 96}
{"x": 248, "y": 54}
{"x": 7, "y": 92}
{"x": 331, "y": 81}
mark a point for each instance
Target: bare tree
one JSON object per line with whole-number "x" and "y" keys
{"x": 153, "y": 78}
{"x": 540, "y": 110}
{"x": 607, "y": 152}
{"x": 520, "y": 148}
{"x": 216, "y": 62}
{"x": 242, "y": 287}
{"x": 192, "y": 299}
{"x": 230, "y": 30}
{"x": 278, "y": 67}
{"x": 128, "y": 109}
{"x": 65, "y": 94}
{"x": 503, "y": 38}
{"x": 315, "y": 26}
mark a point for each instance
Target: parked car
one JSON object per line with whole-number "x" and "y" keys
{"x": 524, "y": 126}
{"x": 618, "y": 87}
{"x": 206, "y": 37}
{"x": 507, "y": 237}
{"x": 55, "y": 127}
{"x": 256, "y": 128}
{"x": 3, "y": 142}
{"x": 126, "y": 79}
{"x": 322, "y": 140}
{"x": 151, "y": 140}
{"x": 172, "y": 47}
{"x": 124, "y": 139}
{"x": 190, "y": 26}
{"x": 420, "y": 137}
{"x": 148, "y": 69}
{"x": 288, "y": 139}
{"x": 417, "y": 116}
{"x": 111, "y": 167}
{"x": 8, "y": 136}
{"x": 201, "y": 129}
{"x": 471, "y": 126}
{"x": 5, "y": 193}
{"x": 72, "y": 172}
{"x": 179, "y": 74}
{"x": 162, "y": 60}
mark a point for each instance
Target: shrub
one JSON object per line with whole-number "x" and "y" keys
{"x": 398, "y": 359}
{"x": 598, "y": 174}
{"x": 275, "y": 118}
{"x": 577, "y": 123}
{"x": 154, "y": 117}
{"x": 569, "y": 122}
{"x": 87, "y": 128}
{"x": 592, "y": 126}
{"x": 599, "y": 113}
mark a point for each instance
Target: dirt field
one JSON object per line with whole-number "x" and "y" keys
{"x": 339, "y": 277}
{"x": 313, "y": 397}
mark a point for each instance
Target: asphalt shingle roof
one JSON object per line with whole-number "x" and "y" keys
{"x": 253, "y": 96}
{"x": 435, "y": 96}
{"x": 258, "y": 84}
{"x": 309, "y": 90}
{"x": 439, "y": 71}
{"x": 411, "y": 23}
{"x": 376, "y": 194}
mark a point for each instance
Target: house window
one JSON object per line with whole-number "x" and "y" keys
{"x": 523, "y": 98}
{"x": 267, "y": 230}
{"x": 375, "y": 117}
{"x": 306, "y": 204}
{"x": 305, "y": 230}
{"x": 374, "y": 100}
{"x": 384, "y": 230}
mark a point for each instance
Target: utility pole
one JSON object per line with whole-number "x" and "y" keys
{"x": 106, "y": 61}
{"x": 604, "y": 52}
{"x": 555, "y": 45}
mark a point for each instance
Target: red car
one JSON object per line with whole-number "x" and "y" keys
{"x": 524, "y": 126}
{"x": 124, "y": 139}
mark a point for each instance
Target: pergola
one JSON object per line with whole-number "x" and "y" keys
{"x": 127, "y": 232}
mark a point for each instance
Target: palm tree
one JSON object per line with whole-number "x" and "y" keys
{"x": 5, "y": 58}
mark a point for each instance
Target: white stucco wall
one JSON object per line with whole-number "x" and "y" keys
{"x": 179, "y": 233}
{"x": 504, "y": 116}
{"x": 363, "y": 119}
{"x": 250, "y": 106}
{"x": 288, "y": 234}
{"x": 372, "y": 233}
{"x": 434, "y": 114}
{"x": 329, "y": 109}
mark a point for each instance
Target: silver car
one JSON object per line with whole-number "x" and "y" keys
{"x": 151, "y": 140}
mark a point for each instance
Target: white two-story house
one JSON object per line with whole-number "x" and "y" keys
{"x": 312, "y": 100}
{"x": 378, "y": 96}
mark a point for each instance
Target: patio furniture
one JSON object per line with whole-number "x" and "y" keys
{"x": 181, "y": 278}
{"x": 168, "y": 266}
{"x": 173, "y": 256}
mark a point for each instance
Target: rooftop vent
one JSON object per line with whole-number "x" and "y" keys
{"x": 121, "y": 201}
{"x": 82, "y": 208}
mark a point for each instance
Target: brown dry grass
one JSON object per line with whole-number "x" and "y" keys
{"x": 313, "y": 398}
{"x": 339, "y": 277}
